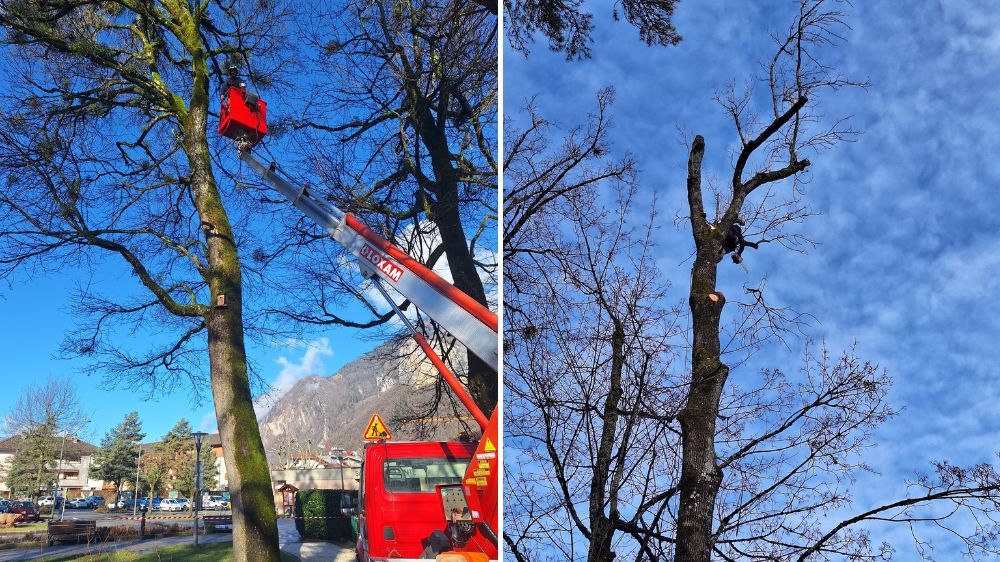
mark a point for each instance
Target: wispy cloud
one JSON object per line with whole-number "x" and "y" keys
{"x": 208, "y": 423}
{"x": 292, "y": 370}
{"x": 908, "y": 253}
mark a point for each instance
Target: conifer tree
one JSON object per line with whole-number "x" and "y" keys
{"x": 116, "y": 460}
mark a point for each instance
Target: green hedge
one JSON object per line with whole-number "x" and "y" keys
{"x": 321, "y": 503}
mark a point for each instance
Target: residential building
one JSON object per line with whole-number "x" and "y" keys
{"x": 73, "y": 470}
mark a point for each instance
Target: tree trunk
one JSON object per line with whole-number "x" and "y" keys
{"x": 601, "y": 535}
{"x": 255, "y": 529}
{"x": 483, "y": 381}
{"x": 700, "y": 473}
{"x": 602, "y": 529}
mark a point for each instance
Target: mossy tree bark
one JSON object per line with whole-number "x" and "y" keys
{"x": 701, "y": 474}
{"x": 255, "y": 531}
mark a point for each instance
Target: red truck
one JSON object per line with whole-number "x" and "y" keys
{"x": 405, "y": 487}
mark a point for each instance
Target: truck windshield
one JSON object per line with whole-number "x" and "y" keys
{"x": 422, "y": 474}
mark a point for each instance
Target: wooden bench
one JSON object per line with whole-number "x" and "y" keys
{"x": 217, "y": 522}
{"x": 63, "y": 530}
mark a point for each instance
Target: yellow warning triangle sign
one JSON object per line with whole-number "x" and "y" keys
{"x": 489, "y": 447}
{"x": 377, "y": 430}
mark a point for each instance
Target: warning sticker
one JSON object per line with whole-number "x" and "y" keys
{"x": 484, "y": 464}
{"x": 481, "y": 481}
{"x": 481, "y": 472}
{"x": 377, "y": 430}
{"x": 490, "y": 447}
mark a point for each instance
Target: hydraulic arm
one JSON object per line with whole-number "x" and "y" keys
{"x": 243, "y": 118}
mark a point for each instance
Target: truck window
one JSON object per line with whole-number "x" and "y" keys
{"x": 422, "y": 474}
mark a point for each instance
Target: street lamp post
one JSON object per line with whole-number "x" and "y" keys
{"x": 198, "y": 436}
{"x": 135, "y": 494}
{"x": 340, "y": 458}
{"x": 62, "y": 449}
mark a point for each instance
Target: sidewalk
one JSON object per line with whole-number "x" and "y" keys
{"x": 308, "y": 550}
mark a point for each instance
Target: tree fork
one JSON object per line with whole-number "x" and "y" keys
{"x": 700, "y": 472}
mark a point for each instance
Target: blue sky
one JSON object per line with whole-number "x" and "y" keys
{"x": 908, "y": 253}
{"x": 36, "y": 314}
{"x": 36, "y": 311}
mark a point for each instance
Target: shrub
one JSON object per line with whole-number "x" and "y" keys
{"x": 325, "y": 504}
{"x": 116, "y": 533}
{"x": 162, "y": 529}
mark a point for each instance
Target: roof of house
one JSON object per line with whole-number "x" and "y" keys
{"x": 75, "y": 448}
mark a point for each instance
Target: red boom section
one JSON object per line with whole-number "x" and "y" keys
{"x": 452, "y": 380}
{"x": 482, "y": 480}
{"x": 469, "y": 304}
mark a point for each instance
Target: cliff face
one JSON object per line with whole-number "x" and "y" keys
{"x": 392, "y": 380}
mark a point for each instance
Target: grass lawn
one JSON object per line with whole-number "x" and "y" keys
{"x": 20, "y": 529}
{"x": 215, "y": 552}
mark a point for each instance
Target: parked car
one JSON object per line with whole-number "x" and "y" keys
{"x": 78, "y": 503}
{"x": 95, "y": 501}
{"x": 144, "y": 503}
{"x": 49, "y": 501}
{"x": 213, "y": 502}
{"x": 27, "y": 509}
{"x": 171, "y": 504}
{"x": 185, "y": 502}
{"x": 4, "y": 505}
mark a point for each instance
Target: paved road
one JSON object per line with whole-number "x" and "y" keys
{"x": 126, "y": 518}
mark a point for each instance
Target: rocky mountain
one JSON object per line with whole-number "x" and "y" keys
{"x": 394, "y": 380}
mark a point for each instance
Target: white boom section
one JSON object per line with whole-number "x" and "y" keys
{"x": 431, "y": 294}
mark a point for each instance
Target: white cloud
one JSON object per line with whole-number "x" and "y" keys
{"x": 208, "y": 423}
{"x": 310, "y": 363}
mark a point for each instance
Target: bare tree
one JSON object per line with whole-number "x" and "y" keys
{"x": 105, "y": 150}
{"x": 588, "y": 389}
{"x": 42, "y": 413}
{"x": 54, "y": 400}
{"x": 401, "y": 130}
{"x": 759, "y": 469}
{"x": 724, "y": 508}
{"x": 568, "y": 26}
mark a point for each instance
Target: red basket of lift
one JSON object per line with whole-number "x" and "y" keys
{"x": 244, "y": 116}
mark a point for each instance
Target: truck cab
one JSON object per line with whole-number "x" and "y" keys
{"x": 401, "y": 514}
